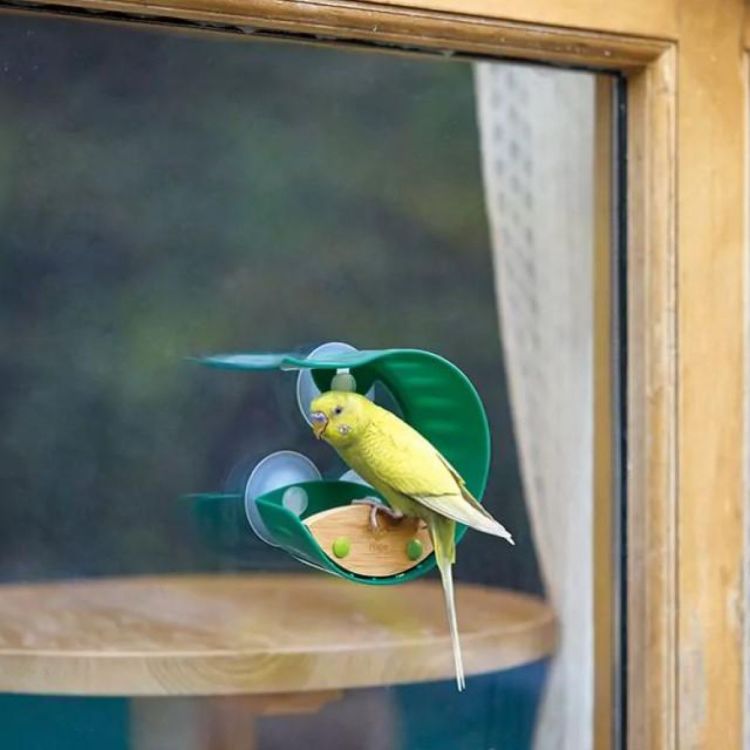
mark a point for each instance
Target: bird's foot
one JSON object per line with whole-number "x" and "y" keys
{"x": 377, "y": 507}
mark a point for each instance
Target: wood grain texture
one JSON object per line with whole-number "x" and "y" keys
{"x": 712, "y": 205}
{"x": 389, "y": 26}
{"x": 220, "y": 635}
{"x": 654, "y": 19}
{"x": 380, "y": 553}
{"x": 652, "y": 411}
{"x": 687, "y": 230}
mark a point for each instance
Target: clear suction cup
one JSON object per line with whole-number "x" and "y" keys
{"x": 306, "y": 388}
{"x": 276, "y": 470}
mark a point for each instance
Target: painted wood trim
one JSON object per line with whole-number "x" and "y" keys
{"x": 687, "y": 197}
{"x": 655, "y": 19}
{"x": 390, "y": 27}
{"x": 652, "y": 409}
{"x": 711, "y": 209}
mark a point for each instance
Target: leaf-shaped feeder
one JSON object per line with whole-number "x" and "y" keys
{"x": 435, "y": 398}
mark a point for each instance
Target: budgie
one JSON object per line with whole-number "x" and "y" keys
{"x": 415, "y": 479}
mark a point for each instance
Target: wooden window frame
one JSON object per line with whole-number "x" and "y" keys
{"x": 686, "y": 197}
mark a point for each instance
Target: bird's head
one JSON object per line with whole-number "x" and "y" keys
{"x": 340, "y": 417}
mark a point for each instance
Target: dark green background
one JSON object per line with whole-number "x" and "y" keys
{"x": 164, "y": 196}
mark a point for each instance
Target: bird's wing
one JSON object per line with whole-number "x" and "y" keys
{"x": 399, "y": 457}
{"x": 467, "y": 512}
{"x": 394, "y": 453}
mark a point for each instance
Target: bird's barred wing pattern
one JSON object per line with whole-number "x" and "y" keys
{"x": 395, "y": 454}
{"x": 398, "y": 457}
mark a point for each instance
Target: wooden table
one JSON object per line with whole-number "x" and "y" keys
{"x": 285, "y": 643}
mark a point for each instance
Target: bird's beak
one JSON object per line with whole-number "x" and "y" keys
{"x": 319, "y": 423}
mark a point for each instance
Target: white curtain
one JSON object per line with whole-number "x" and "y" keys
{"x": 537, "y": 145}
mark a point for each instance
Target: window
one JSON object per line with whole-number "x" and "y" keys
{"x": 168, "y": 195}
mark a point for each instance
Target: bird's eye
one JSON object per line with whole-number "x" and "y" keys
{"x": 338, "y": 410}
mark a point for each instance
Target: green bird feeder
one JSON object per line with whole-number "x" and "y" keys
{"x": 290, "y": 505}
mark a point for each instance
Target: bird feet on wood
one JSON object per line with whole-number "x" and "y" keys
{"x": 377, "y": 507}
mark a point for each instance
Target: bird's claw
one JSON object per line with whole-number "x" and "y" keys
{"x": 377, "y": 507}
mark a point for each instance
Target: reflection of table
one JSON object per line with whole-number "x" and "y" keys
{"x": 286, "y": 643}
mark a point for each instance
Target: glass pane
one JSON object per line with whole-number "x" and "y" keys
{"x": 168, "y": 197}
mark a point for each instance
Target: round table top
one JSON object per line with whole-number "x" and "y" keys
{"x": 254, "y": 634}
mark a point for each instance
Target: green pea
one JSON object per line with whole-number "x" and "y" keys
{"x": 414, "y": 549}
{"x": 341, "y": 547}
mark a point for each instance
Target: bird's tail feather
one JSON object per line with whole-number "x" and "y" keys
{"x": 446, "y": 572}
{"x": 442, "y": 531}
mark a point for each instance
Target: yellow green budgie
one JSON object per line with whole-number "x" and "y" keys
{"x": 411, "y": 474}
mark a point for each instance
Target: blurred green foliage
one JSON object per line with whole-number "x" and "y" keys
{"x": 163, "y": 196}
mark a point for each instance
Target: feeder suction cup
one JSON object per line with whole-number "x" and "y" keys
{"x": 306, "y": 388}
{"x": 279, "y": 469}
